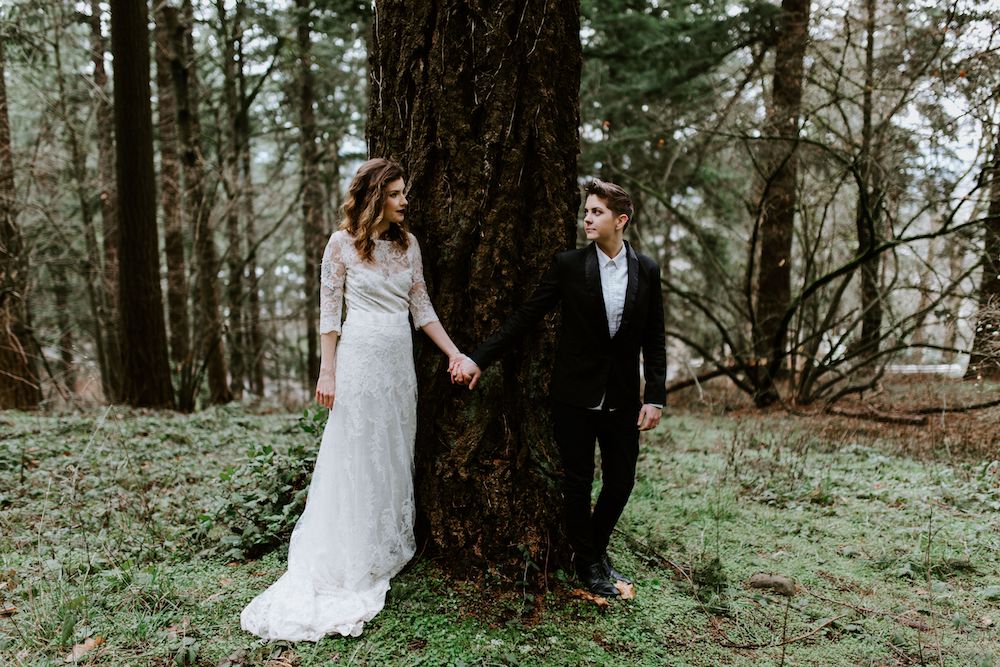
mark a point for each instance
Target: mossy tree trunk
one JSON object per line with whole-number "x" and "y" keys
{"x": 479, "y": 101}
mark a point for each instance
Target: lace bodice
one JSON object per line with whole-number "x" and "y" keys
{"x": 392, "y": 282}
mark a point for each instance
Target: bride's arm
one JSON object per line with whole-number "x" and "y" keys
{"x": 326, "y": 385}
{"x": 333, "y": 275}
{"x": 436, "y": 333}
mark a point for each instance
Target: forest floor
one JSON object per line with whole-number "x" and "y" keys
{"x": 890, "y": 533}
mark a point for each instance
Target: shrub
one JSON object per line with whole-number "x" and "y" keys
{"x": 259, "y": 501}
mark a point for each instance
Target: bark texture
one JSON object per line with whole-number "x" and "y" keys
{"x": 143, "y": 330}
{"x": 170, "y": 206}
{"x": 772, "y": 285}
{"x": 479, "y": 101}
{"x": 984, "y": 361}
{"x": 19, "y": 387}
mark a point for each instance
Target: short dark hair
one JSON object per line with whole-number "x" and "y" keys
{"x": 614, "y": 197}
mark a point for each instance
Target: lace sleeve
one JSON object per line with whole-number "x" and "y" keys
{"x": 420, "y": 303}
{"x": 332, "y": 275}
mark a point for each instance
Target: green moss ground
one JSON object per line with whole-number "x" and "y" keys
{"x": 896, "y": 558}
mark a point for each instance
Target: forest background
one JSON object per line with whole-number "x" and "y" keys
{"x": 819, "y": 183}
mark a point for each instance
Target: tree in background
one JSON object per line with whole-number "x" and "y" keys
{"x": 984, "y": 361}
{"x": 775, "y": 216}
{"x": 312, "y": 188}
{"x": 480, "y": 106}
{"x": 20, "y": 382}
{"x": 143, "y": 330}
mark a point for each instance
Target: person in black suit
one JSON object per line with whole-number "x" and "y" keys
{"x": 612, "y": 308}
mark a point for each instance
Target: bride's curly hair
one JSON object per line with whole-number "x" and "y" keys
{"x": 363, "y": 207}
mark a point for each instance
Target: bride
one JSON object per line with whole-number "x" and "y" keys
{"x": 356, "y": 531}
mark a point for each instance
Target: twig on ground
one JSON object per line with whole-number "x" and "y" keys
{"x": 805, "y": 635}
{"x": 883, "y": 417}
{"x": 650, "y": 552}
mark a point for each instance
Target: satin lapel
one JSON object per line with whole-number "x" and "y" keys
{"x": 592, "y": 273}
{"x": 632, "y": 291}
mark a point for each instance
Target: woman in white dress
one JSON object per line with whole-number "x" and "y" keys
{"x": 356, "y": 531}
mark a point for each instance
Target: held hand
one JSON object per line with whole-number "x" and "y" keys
{"x": 454, "y": 361}
{"x": 649, "y": 417}
{"x": 326, "y": 389}
{"x": 466, "y": 372}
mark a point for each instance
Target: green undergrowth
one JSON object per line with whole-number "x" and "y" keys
{"x": 123, "y": 525}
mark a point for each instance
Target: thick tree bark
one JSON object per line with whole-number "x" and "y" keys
{"x": 312, "y": 187}
{"x": 984, "y": 362}
{"x": 170, "y": 206}
{"x": 109, "y": 223}
{"x": 228, "y": 33}
{"x": 772, "y": 285}
{"x": 19, "y": 382}
{"x": 143, "y": 330}
{"x": 479, "y": 101}
{"x": 210, "y": 345}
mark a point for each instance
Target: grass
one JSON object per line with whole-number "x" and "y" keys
{"x": 895, "y": 557}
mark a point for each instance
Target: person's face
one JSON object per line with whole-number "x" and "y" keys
{"x": 599, "y": 222}
{"x": 394, "y": 208}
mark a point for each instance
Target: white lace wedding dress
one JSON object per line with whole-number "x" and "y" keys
{"x": 356, "y": 531}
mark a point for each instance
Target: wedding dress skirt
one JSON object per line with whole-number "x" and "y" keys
{"x": 356, "y": 531}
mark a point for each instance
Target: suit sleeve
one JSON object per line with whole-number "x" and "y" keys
{"x": 654, "y": 345}
{"x": 543, "y": 299}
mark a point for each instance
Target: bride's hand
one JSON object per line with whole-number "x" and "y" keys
{"x": 326, "y": 388}
{"x": 454, "y": 361}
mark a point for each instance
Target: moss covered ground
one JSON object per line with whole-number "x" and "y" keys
{"x": 895, "y": 556}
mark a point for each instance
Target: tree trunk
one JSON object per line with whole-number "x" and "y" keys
{"x": 868, "y": 215}
{"x": 19, "y": 382}
{"x": 209, "y": 319}
{"x": 984, "y": 362}
{"x": 228, "y": 35}
{"x": 108, "y": 288}
{"x": 143, "y": 330}
{"x": 480, "y": 103}
{"x": 170, "y": 205}
{"x": 772, "y": 288}
{"x": 254, "y": 337}
{"x": 312, "y": 188}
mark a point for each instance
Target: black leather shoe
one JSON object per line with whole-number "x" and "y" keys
{"x": 609, "y": 572}
{"x": 595, "y": 581}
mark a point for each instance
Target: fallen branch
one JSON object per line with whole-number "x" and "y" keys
{"x": 651, "y": 553}
{"x": 698, "y": 379}
{"x": 873, "y": 415}
{"x": 965, "y": 408}
{"x": 806, "y": 635}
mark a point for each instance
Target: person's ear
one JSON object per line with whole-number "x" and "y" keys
{"x": 621, "y": 222}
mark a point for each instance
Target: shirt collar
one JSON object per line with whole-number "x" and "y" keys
{"x": 605, "y": 260}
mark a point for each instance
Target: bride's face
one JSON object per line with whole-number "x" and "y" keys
{"x": 394, "y": 208}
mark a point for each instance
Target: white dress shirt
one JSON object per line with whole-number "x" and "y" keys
{"x": 614, "y": 282}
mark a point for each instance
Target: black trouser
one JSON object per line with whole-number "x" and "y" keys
{"x": 576, "y": 429}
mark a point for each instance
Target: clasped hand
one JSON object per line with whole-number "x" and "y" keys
{"x": 464, "y": 370}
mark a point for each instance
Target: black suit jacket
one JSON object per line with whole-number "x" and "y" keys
{"x": 589, "y": 362}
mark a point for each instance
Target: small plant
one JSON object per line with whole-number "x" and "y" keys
{"x": 260, "y": 501}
